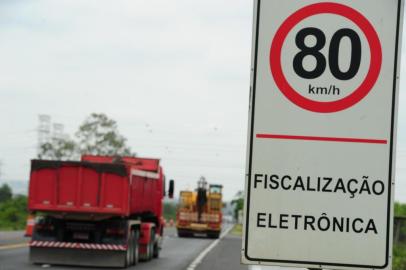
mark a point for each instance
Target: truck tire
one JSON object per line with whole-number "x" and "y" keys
{"x": 214, "y": 235}
{"x": 132, "y": 247}
{"x": 182, "y": 233}
{"x": 129, "y": 258}
{"x": 128, "y": 255}
{"x": 151, "y": 245}
{"x": 156, "y": 250}
{"x": 136, "y": 247}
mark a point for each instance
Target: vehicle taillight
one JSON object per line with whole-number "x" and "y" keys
{"x": 214, "y": 225}
{"x": 183, "y": 216}
{"x": 214, "y": 218}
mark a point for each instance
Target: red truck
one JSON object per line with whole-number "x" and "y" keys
{"x": 100, "y": 211}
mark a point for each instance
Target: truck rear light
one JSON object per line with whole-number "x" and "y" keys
{"x": 213, "y": 218}
{"x": 183, "y": 222}
{"x": 184, "y": 216}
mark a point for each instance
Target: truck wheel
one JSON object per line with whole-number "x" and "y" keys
{"x": 129, "y": 258}
{"x": 181, "y": 233}
{"x": 136, "y": 247}
{"x": 132, "y": 247}
{"x": 215, "y": 235}
{"x": 151, "y": 245}
{"x": 128, "y": 254}
{"x": 156, "y": 250}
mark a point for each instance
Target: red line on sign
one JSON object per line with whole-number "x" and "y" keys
{"x": 324, "y": 139}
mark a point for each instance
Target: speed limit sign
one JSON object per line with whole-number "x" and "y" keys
{"x": 321, "y": 144}
{"x": 327, "y": 66}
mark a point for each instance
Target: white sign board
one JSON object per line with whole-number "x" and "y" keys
{"x": 320, "y": 161}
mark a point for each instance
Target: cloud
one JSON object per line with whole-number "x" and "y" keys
{"x": 174, "y": 74}
{"x": 180, "y": 67}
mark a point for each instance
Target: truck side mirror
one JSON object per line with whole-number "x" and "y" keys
{"x": 171, "y": 189}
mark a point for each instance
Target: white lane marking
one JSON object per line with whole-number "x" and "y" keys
{"x": 257, "y": 267}
{"x": 203, "y": 254}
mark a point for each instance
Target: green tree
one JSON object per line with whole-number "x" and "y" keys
{"x": 98, "y": 135}
{"x": 400, "y": 209}
{"x": 5, "y": 193}
{"x": 239, "y": 205}
{"x": 58, "y": 149}
{"x": 169, "y": 210}
{"x": 399, "y": 257}
{"x": 13, "y": 213}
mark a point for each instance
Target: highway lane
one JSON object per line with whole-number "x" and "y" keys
{"x": 255, "y": 267}
{"x": 224, "y": 256}
{"x": 177, "y": 254}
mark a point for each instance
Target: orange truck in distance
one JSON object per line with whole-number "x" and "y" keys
{"x": 199, "y": 211}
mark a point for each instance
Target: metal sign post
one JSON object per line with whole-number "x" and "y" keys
{"x": 322, "y": 133}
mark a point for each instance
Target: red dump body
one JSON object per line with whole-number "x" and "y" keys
{"x": 97, "y": 185}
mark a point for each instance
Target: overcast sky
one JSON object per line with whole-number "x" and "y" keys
{"x": 173, "y": 74}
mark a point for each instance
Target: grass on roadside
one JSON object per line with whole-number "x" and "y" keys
{"x": 237, "y": 230}
{"x": 399, "y": 257}
{"x": 13, "y": 213}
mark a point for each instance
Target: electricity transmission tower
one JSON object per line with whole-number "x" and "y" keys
{"x": 44, "y": 130}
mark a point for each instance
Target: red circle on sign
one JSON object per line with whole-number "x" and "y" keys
{"x": 359, "y": 93}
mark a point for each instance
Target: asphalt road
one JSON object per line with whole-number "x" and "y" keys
{"x": 255, "y": 267}
{"x": 176, "y": 254}
{"x": 224, "y": 256}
